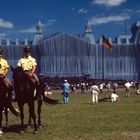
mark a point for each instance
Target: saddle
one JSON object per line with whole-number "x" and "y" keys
{"x": 1, "y": 76}
{"x": 6, "y": 86}
{"x": 32, "y": 79}
{"x": 3, "y": 82}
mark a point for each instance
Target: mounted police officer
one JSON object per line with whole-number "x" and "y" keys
{"x": 28, "y": 63}
{"x": 4, "y": 67}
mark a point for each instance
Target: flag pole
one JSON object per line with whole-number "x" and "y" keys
{"x": 102, "y": 59}
{"x": 105, "y": 44}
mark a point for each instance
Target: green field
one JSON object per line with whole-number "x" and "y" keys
{"x": 80, "y": 120}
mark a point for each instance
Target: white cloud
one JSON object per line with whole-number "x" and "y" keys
{"x": 33, "y": 28}
{"x": 108, "y": 19}
{"x": 6, "y": 24}
{"x": 128, "y": 10}
{"x": 137, "y": 11}
{"x": 73, "y": 8}
{"x": 50, "y": 22}
{"x": 109, "y": 3}
{"x": 82, "y": 11}
{"x": 120, "y": 23}
{"x": 28, "y": 30}
{"x": 2, "y": 35}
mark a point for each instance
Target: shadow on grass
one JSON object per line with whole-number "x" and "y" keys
{"x": 100, "y": 100}
{"x": 87, "y": 103}
{"x": 104, "y": 99}
{"x": 137, "y": 101}
{"x": 14, "y": 128}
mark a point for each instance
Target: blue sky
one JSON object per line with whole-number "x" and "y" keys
{"x": 19, "y": 17}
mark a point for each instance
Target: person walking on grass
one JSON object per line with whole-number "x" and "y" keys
{"x": 101, "y": 86}
{"x": 94, "y": 90}
{"x": 66, "y": 90}
{"x": 127, "y": 88}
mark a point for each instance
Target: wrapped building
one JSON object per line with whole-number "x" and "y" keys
{"x": 68, "y": 55}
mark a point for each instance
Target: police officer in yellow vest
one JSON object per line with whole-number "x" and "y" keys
{"x": 28, "y": 63}
{"x": 4, "y": 71}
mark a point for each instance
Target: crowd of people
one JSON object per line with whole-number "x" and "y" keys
{"x": 98, "y": 88}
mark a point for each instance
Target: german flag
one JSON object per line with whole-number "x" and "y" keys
{"x": 106, "y": 44}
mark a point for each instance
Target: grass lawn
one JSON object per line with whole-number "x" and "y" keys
{"x": 80, "y": 120}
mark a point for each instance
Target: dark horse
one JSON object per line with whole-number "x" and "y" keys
{"x": 24, "y": 91}
{"x": 40, "y": 97}
{"x": 5, "y": 102}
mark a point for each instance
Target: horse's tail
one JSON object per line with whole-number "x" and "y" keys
{"x": 12, "y": 109}
{"x": 50, "y": 101}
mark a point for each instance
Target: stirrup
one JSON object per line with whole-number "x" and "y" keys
{"x": 35, "y": 93}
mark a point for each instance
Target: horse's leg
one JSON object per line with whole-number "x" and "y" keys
{"x": 6, "y": 116}
{"x": 20, "y": 105}
{"x": 1, "y": 109}
{"x": 29, "y": 121}
{"x": 32, "y": 112}
{"x": 39, "y": 113}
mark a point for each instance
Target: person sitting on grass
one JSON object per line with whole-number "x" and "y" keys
{"x": 114, "y": 97}
{"x": 138, "y": 92}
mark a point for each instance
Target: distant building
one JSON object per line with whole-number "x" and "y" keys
{"x": 65, "y": 54}
{"x": 88, "y": 36}
{"x": 135, "y": 29}
{"x": 38, "y": 34}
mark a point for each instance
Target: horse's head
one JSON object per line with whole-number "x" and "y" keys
{"x": 41, "y": 78}
{"x": 18, "y": 74}
{"x": 41, "y": 87}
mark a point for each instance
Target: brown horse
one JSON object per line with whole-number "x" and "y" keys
{"x": 40, "y": 97}
{"x": 24, "y": 91}
{"x": 5, "y": 103}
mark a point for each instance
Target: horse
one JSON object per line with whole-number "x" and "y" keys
{"x": 5, "y": 103}
{"x": 41, "y": 97}
{"x": 24, "y": 92}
